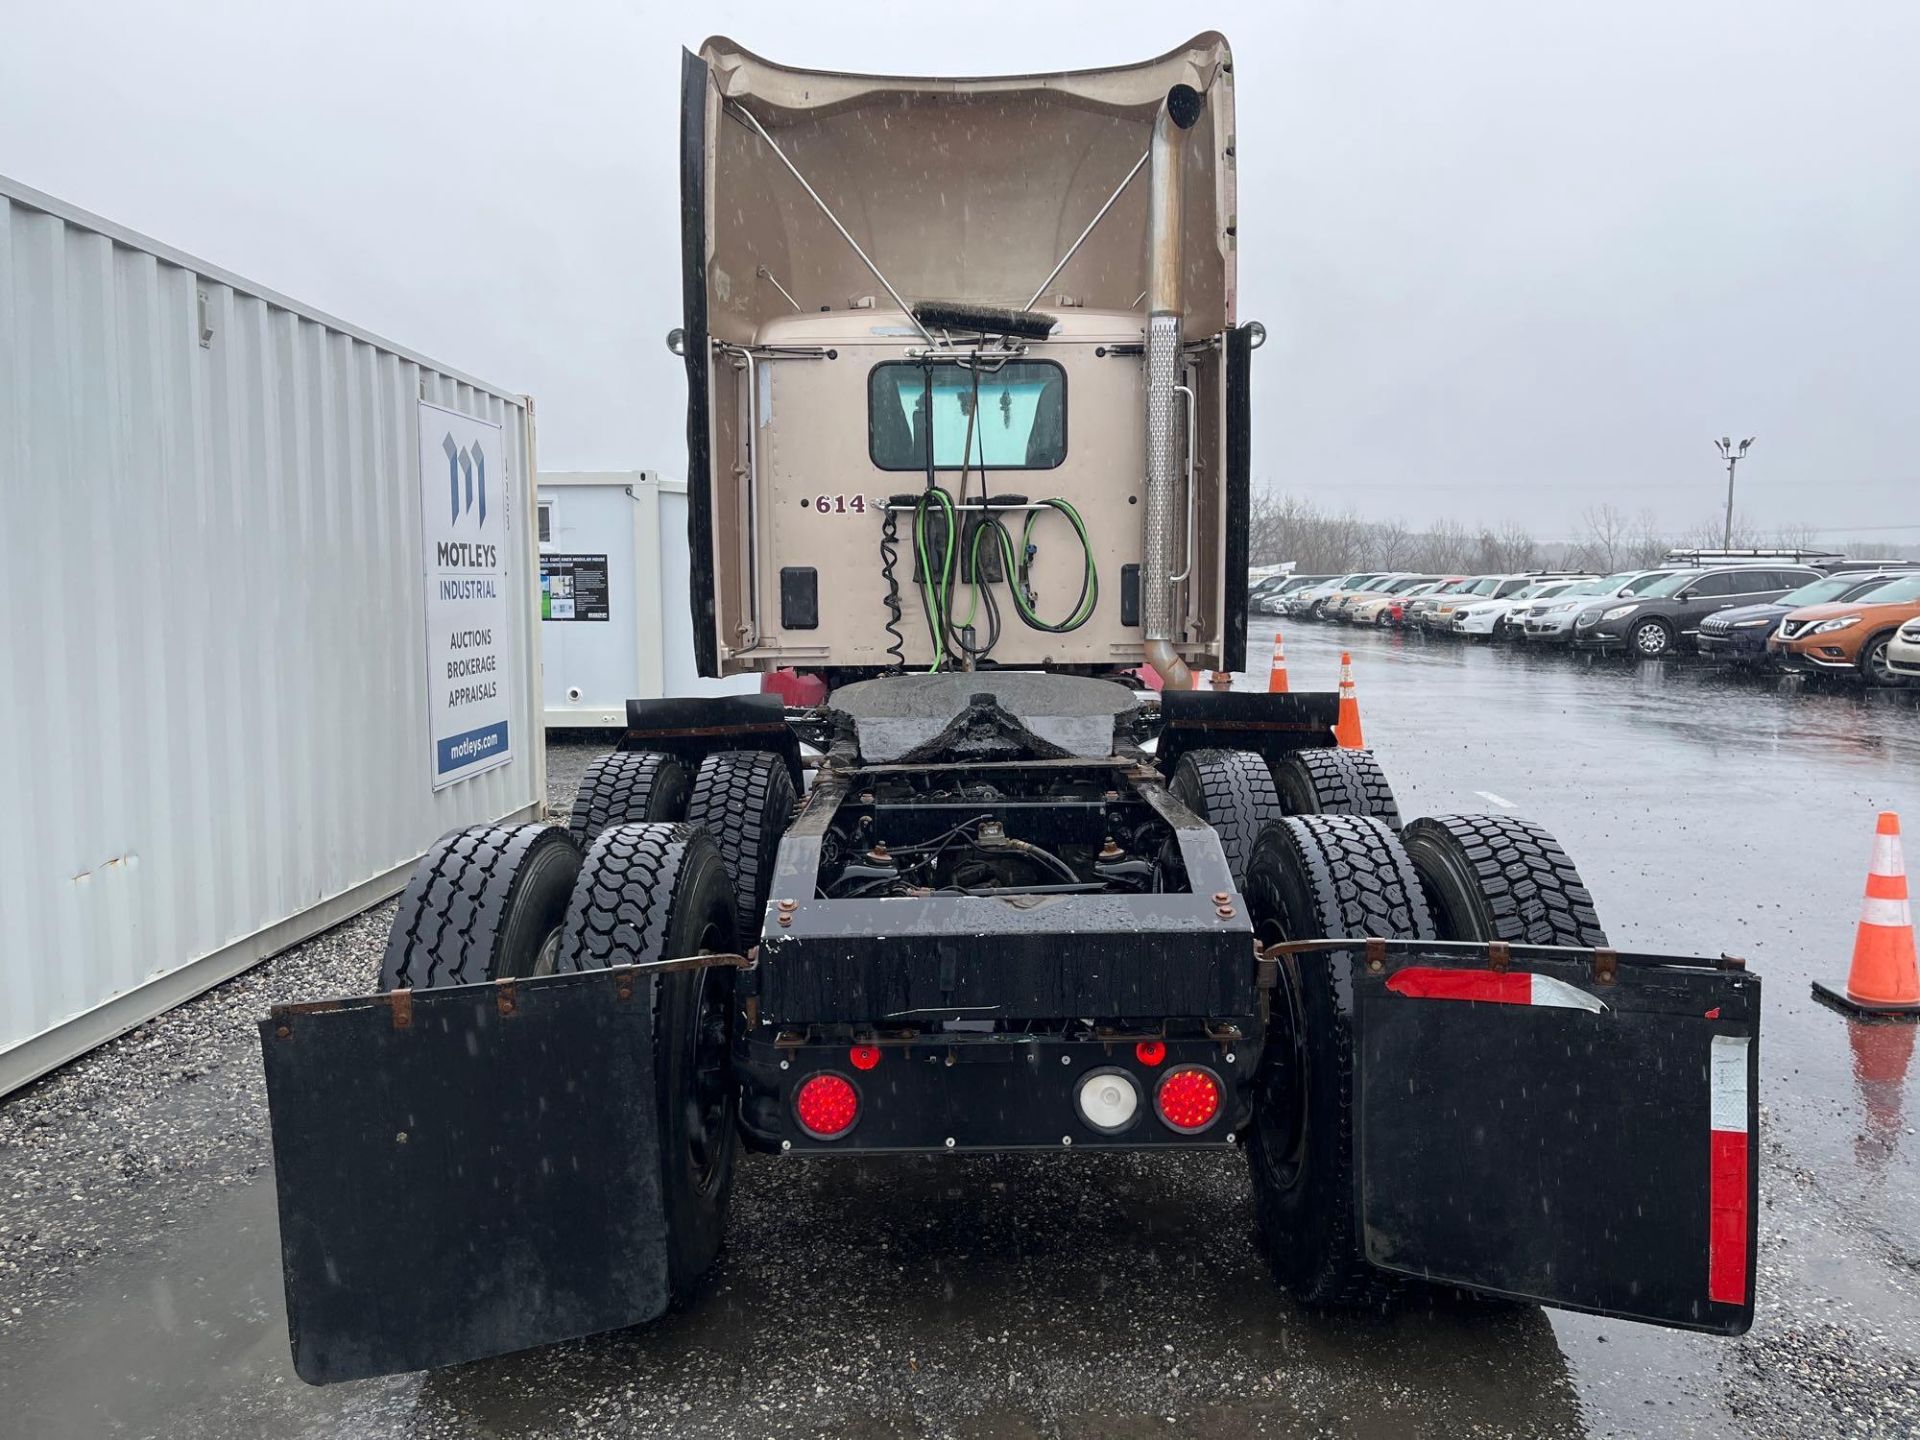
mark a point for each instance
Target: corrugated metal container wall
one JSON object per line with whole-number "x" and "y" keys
{"x": 214, "y": 715}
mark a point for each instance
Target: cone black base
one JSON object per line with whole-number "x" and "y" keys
{"x": 1862, "y": 1009}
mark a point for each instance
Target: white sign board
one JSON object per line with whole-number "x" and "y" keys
{"x": 465, "y": 540}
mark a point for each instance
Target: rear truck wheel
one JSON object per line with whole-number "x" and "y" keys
{"x": 1232, "y": 791}
{"x": 485, "y": 903}
{"x": 1498, "y": 877}
{"x": 627, "y": 787}
{"x": 1651, "y": 639}
{"x": 661, "y": 892}
{"x": 1312, "y": 876}
{"x": 745, "y": 798}
{"x": 1334, "y": 782}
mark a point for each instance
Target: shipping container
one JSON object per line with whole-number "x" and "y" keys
{"x": 270, "y": 623}
{"x": 616, "y": 618}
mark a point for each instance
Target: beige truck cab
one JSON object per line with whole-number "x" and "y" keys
{"x": 966, "y": 383}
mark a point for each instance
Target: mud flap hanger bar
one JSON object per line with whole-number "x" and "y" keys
{"x": 1499, "y": 955}
{"x": 506, "y": 992}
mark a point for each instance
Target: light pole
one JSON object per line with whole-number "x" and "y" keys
{"x": 1733, "y": 457}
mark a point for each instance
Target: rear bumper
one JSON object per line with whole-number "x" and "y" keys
{"x": 958, "y": 1091}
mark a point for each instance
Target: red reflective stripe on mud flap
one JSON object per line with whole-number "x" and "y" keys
{"x": 1727, "y": 1172}
{"x": 1514, "y": 987}
{"x": 1425, "y": 982}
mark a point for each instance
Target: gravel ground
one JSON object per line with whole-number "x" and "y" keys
{"x": 1111, "y": 1295}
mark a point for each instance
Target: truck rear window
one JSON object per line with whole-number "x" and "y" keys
{"x": 1022, "y": 424}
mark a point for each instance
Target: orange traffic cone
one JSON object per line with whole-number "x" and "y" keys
{"x": 1346, "y": 730}
{"x": 1885, "y": 979}
{"x": 1277, "y": 676}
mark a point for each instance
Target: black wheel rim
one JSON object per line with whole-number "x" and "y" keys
{"x": 1283, "y": 1105}
{"x": 1282, "y": 1113}
{"x": 709, "y": 1098}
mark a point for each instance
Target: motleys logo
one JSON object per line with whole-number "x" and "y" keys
{"x": 466, "y": 479}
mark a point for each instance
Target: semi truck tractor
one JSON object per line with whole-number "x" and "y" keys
{"x": 968, "y": 442}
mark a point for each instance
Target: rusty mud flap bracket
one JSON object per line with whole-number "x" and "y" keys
{"x": 469, "y": 1170}
{"x": 1573, "y": 1127}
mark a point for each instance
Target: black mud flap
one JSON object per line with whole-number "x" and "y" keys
{"x": 1572, "y": 1127}
{"x": 465, "y": 1171}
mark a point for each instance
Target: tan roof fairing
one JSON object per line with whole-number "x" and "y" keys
{"x": 959, "y": 189}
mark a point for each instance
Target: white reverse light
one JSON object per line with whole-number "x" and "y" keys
{"x": 1108, "y": 1100}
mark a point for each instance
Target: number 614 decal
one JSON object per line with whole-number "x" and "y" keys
{"x": 837, "y": 504}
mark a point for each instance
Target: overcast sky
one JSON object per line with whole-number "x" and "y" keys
{"x": 1514, "y": 257}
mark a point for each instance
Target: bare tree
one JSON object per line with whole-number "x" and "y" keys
{"x": 1711, "y": 533}
{"x": 1801, "y": 535}
{"x": 1650, "y": 542}
{"x": 1392, "y": 545}
{"x": 1876, "y": 550}
{"x": 1604, "y": 538}
{"x": 1506, "y": 549}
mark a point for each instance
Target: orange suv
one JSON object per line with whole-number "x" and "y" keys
{"x": 1848, "y": 634}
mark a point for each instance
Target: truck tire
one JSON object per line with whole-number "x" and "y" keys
{"x": 1498, "y": 877}
{"x": 1312, "y": 876}
{"x": 1232, "y": 791}
{"x": 745, "y": 799}
{"x": 1334, "y": 782}
{"x": 484, "y": 903}
{"x": 660, "y": 892}
{"x": 625, "y": 788}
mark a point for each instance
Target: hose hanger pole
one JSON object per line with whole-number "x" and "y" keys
{"x": 832, "y": 219}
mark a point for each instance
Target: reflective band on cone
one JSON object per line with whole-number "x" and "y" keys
{"x": 1727, "y": 1171}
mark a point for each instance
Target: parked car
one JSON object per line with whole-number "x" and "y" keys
{"x": 1741, "y": 634}
{"x": 1347, "y": 611}
{"x": 1547, "y": 618}
{"x": 1440, "y": 617}
{"x": 1487, "y": 615}
{"x": 1903, "y": 651}
{"x": 1390, "y": 605}
{"x": 1330, "y": 604}
{"x": 1417, "y": 609}
{"x": 1270, "y": 597}
{"x": 1305, "y": 603}
{"x": 1665, "y": 616}
{"x": 1850, "y": 635}
{"x": 1622, "y": 583}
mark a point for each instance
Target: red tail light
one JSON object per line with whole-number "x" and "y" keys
{"x": 864, "y": 1057}
{"x": 1150, "y": 1052}
{"x": 826, "y": 1105}
{"x": 1188, "y": 1099}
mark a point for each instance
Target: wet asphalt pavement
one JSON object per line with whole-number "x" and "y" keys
{"x": 1109, "y": 1295}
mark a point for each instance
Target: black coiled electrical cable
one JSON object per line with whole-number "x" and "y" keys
{"x": 889, "y": 557}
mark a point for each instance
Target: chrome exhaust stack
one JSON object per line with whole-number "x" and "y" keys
{"x": 1166, "y": 195}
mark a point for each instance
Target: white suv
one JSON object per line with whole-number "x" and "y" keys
{"x": 1493, "y": 614}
